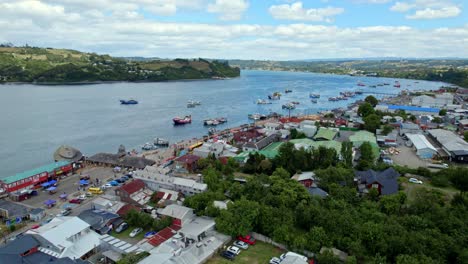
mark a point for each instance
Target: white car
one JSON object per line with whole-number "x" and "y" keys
{"x": 234, "y": 249}
{"x": 241, "y": 244}
{"x": 275, "y": 260}
{"x": 414, "y": 180}
{"x": 136, "y": 231}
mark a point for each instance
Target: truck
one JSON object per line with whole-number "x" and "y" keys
{"x": 438, "y": 166}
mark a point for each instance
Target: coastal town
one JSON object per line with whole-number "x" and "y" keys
{"x": 129, "y": 207}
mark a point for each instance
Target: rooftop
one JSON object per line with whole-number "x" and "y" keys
{"x": 414, "y": 108}
{"x": 188, "y": 158}
{"x": 118, "y": 160}
{"x": 325, "y": 134}
{"x": 176, "y": 211}
{"x": 13, "y": 209}
{"x": 420, "y": 142}
{"x": 23, "y": 175}
{"x": 450, "y": 141}
{"x": 132, "y": 186}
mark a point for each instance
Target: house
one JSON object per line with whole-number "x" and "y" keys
{"x": 411, "y": 128}
{"x": 424, "y": 149}
{"x": 304, "y": 178}
{"x": 341, "y": 122}
{"x": 455, "y": 147}
{"x": 245, "y": 136}
{"x": 113, "y": 248}
{"x": 165, "y": 197}
{"x": 66, "y": 237}
{"x": 387, "y": 140}
{"x": 272, "y": 126}
{"x": 25, "y": 250}
{"x": 341, "y": 255}
{"x": 182, "y": 213}
{"x": 384, "y": 181}
{"x": 309, "y": 144}
{"x": 37, "y": 214}
{"x": 11, "y": 210}
{"x": 291, "y": 259}
{"x": 208, "y": 149}
{"x": 414, "y": 110}
{"x": 121, "y": 159}
{"x": 123, "y": 211}
{"x": 100, "y": 221}
{"x": 325, "y": 134}
{"x": 134, "y": 192}
{"x": 316, "y": 191}
{"x": 463, "y": 126}
{"x": 262, "y": 143}
{"x": 187, "y": 163}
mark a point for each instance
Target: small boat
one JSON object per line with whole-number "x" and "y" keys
{"x": 182, "y": 121}
{"x": 333, "y": 99}
{"x": 275, "y": 96}
{"x": 361, "y": 84}
{"x": 287, "y": 91}
{"x": 189, "y": 105}
{"x": 295, "y": 102}
{"x": 262, "y": 102}
{"x": 160, "y": 142}
{"x": 214, "y": 121}
{"x": 254, "y": 116}
{"x": 149, "y": 146}
{"x": 373, "y": 86}
{"x": 314, "y": 101}
{"x": 397, "y": 84}
{"x": 289, "y": 106}
{"x": 192, "y": 104}
{"x": 128, "y": 102}
{"x": 314, "y": 96}
{"x": 212, "y": 131}
{"x": 359, "y": 92}
{"x": 380, "y": 84}
{"x": 386, "y": 84}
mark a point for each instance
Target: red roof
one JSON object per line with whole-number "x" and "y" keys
{"x": 126, "y": 208}
{"x": 163, "y": 235}
{"x": 244, "y": 136}
{"x": 188, "y": 159}
{"x": 133, "y": 186}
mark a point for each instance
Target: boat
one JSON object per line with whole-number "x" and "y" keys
{"x": 148, "y": 146}
{"x": 386, "y": 84}
{"x": 160, "y": 142}
{"x": 182, "y": 121}
{"x": 128, "y": 102}
{"x": 214, "y": 121}
{"x": 295, "y": 102}
{"x": 314, "y": 101}
{"x": 212, "y": 131}
{"x": 359, "y": 92}
{"x": 287, "y": 91}
{"x": 262, "y": 101}
{"x": 254, "y": 116}
{"x": 288, "y": 106}
{"x": 361, "y": 84}
{"x": 373, "y": 86}
{"x": 314, "y": 96}
{"x": 333, "y": 99}
{"x": 189, "y": 105}
{"x": 397, "y": 84}
{"x": 192, "y": 104}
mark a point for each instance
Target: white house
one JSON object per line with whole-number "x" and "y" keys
{"x": 424, "y": 149}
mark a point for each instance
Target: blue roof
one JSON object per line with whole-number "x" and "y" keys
{"x": 23, "y": 175}
{"x": 413, "y": 108}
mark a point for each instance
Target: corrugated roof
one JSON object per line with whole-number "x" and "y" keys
{"x": 23, "y": 175}
{"x": 420, "y": 142}
{"x": 133, "y": 186}
{"x": 365, "y": 136}
{"x": 414, "y": 108}
{"x": 325, "y": 133}
{"x": 449, "y": 140}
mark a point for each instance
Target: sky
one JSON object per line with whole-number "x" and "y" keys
{"x": 242, "y": 29}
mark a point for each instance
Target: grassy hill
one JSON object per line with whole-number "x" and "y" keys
{"x": 47, "y": 65}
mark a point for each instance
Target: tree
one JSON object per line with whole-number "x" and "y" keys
{"x": 371, "y": 100}
{"x": 443, "y": 112}
{"x": 367, "y": 156}
{"x": 239, "y": 218}
{"x": 371, "y": 122}
{"x": 347, "y": 153}
{"x": 387, "y": 129}
{"x": 465, "y": 135}
{"x": 281, "y": 173}
{"x": 296, "y": 134}
{"x": 459, "y": 178}
{"x": 212, "y": 179}
{"x": 437, "y": 120}
{"x": 365, "y": 109}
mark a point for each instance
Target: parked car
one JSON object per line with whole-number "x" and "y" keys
{"x": 247, "y": 239}
{"x": 122, "y": 227}
{"x": 150, "y": 234}
{"x": 241, "y": 244}
{"x": 414, "y": 180}
{"x": 293, "y": 254}
{"x": 275, "y": 260}
{"x": 113, "y": 183}
{"x": 228, "y": 255}
{"x": 234, "y": 250}
{"x": 66, "y": 211}
{"x": 120, "y": 180}
{"x": 129, "y": 175}
{"x": 136, "y": 231}
{"x": 75, "y": 201}
{"x": 125, "y": 177}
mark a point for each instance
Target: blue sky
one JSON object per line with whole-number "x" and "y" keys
{"x": 246, "y": 29}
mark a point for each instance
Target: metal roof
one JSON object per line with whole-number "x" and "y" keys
{"x": 449, "y": 140}
{"x": 420, "y": 142}
{"x": 413, "y": 108}
{"x": 325, "y": 133}
{"x": 23, "y": 175}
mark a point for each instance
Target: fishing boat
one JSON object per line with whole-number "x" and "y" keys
{"x": 212, "y": 131}
{"x": 386, "y": 84}
{"x": 360, "y": 84}
{"x": 182, "y": 121}
{"x": 128, "y": 102}
{"x": 289, "y": 106}
{"x": 148, "y": 146}
{"x": 287, "y": 91}
{"x": 397, "y": 84}
{"x": 359, "y": 92}
{"x": 373, "y": 86}
{"x": 160, "y": 142}
{"x": 262, "y": 102}
{"x": 192, "y": 104}
{"x": 333, "y": 99}
{"x": 314, "y": 101}
{"x": 214, "y": 121}
{"x": 314, "y": 96}
{"x": 295, "y": 102}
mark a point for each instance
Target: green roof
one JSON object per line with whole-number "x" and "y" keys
{"x": 23, "y": 175}
{"x": 316, "y": 144}
{"x": 363, "y": 136}
{"x": 375, "y": 147}
{"x": 270, "y": 152}
{"x": 325, "y": 133}
{"x": 273, "y": 146}
{"x": 302, "y": 141}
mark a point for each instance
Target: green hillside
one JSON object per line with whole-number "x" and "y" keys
{"x": 46, "y": 65}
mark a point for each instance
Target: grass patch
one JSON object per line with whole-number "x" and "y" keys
{"x": 126, "y": 234}
{"x": 260, "y": 253}
{"x": 411, "y": 188}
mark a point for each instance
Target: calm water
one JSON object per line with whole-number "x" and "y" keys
{"x": 35, "y": 120}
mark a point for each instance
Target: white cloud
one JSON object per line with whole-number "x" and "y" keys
{"x": 296, "y": 11}
{"x": 427, "y": 9}
{"x": 229, "y": 9}
{"x": 373, "y": 1}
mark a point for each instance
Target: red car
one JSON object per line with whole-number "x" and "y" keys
{"x": 247, "y": 239}
{"x": 75, "y": 201}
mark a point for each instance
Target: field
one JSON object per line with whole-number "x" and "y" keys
{"x": 260, "y": 253}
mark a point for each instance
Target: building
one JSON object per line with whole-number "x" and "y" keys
{"x": 182, "y": 213}
{"x": 12, "y": 211}
{"x": 37, "y": 214}
{"x": 384, "y": 181}
{"x": 305, "y": 178}
{"x": 310, "y": 144}
{"x": 455, "y": 147}
{"x": 424, "y": 149}
{"x": 187, "y": 163}
{"x": 25, "y": 250}
{"x": 32, "y": 179}
{"x": 119, "y": 160}
{"x": 134, "y": 192}
{"x": 67, "y": 153}
{"x": 387, "y": 140}
{"x": 463, "y": 125}
{"x": 156, "y": 181}
{"x": 414, "y": 110}
{"x": 410, "y": 128}
{"x": 262, "y": 143}
{"x": 208, "y": 149}
{"x": 66, "y": 237}
{"x": 242, "y": 137}
{"x": 316, "y": 191}
{"x": 438, "y": 101}
{"x": 325, "y": 134}
{"x": 100, "y": 221}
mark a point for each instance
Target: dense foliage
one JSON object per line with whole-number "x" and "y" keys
{"x": 39, "y": 65}
{"x": 427, "y": 228}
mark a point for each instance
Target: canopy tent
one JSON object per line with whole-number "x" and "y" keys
{"x": 49, "y": 202}
{"x": 53, "y": 181}
{"x": 84, "y": 182}
{"x": 46, "y": 184}
{"x": 63, "y": 196}
{"x": 51, "y": 188}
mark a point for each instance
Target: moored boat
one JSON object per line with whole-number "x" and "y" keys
{"x": 314, "y": 101}
{"x": 262, "y": 101}
{"x": 160, "y": 142}
{"x": 360, "y": 84}
{"x": 288, "y": 106}
{"x": 129, "y": 102}
{"x": 287, "y": 91}
{"x": 314, "y": 96}
{"x": 397, "y": 84}
{"x": 182, "y": 121}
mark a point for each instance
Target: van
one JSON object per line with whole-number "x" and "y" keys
{"x": 293, "y": 254}
{"x": 95, "y": 190}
